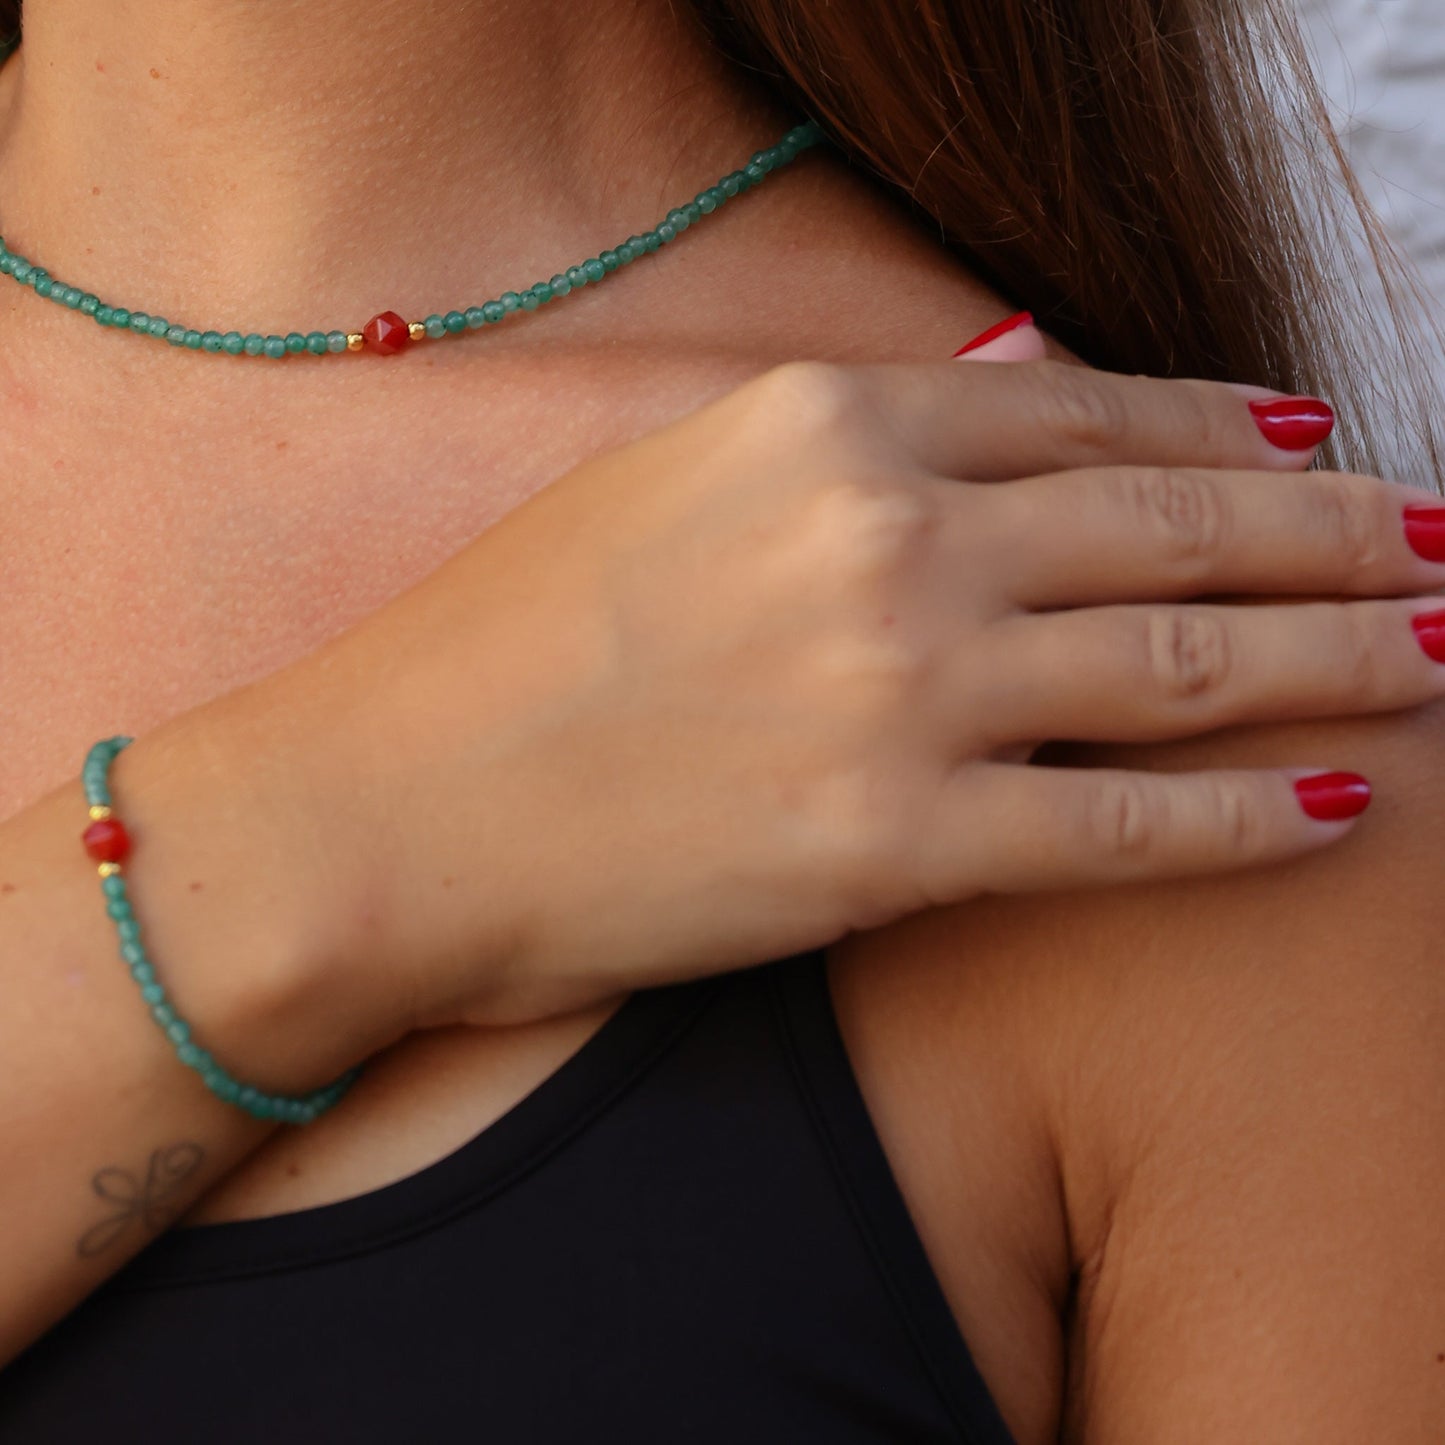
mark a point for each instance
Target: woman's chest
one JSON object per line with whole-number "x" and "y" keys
{"x": 151, "y": 566}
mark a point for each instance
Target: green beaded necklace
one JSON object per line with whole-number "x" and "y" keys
{"x": 389, "y": 333}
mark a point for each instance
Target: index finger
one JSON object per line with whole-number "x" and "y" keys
{"x": 997, "y": 423}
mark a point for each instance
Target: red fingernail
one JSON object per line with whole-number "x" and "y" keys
{"x": 1295, "y": 424}
{"x": 1430, "y": 629}
{"x": 1014, "y": 323}
{"x": 1425, "y": 532}
{"x": 1333, "y": 797}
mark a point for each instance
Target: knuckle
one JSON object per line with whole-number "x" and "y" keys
{"x": 1185, "y": 511}
{"x": 874, "y": 524}
{"x": 1083, "y": 409}
{"x": 1190, "y": 652}
{"x": 1124, "y": 820}
{"x": 1239, "y": 819}
{"x": 1348, "y": 516}
{"x": 809, "y": 395}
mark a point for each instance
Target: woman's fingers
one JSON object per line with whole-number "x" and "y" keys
{"x": 1063, "y": 828}
{"x": 997, "y": 423}
{"x": 1146, "y": 674}
{"x": 1123, "y": 534}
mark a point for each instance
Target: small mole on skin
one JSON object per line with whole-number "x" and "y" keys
{"x": 282, "y": 445}
{"x": 155, "y": 75}
{"x": 294, "y": 1170}
{"x": 100, "y": 67}
{"x": 1440, "y": 1359}
{"x": 197, "y": 886}
{"x": 95, "y": 190}
{"x": 447, "y": 882}
{"x": 7, "y": 887}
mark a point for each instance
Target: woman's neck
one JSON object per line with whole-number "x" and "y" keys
{"x": 283, "y": 164}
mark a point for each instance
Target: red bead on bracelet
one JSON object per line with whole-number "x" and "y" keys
{"x": 106, "y": 840}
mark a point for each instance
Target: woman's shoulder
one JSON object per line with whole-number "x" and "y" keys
{"x": 1236, "y": 1088}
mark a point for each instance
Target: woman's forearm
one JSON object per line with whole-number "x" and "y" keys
{"x": 105, "y": 1138}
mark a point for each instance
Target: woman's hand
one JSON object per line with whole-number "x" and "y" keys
{"x": 770, "y": 674}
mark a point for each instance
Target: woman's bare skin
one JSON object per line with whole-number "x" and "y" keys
{"x": 1216, "y": 1106}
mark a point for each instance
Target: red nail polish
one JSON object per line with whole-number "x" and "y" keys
{"x": 1425, "y": 532}
{"x": 1430, "y": 630}
{"x": 1014, "y": 323}
{"x": 1333, "y": 797}
{"x": 1295, "y": 424}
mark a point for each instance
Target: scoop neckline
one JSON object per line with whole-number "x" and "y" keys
{"x": 580, "y": 1090}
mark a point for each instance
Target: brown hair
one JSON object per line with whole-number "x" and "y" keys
{"x": 1155, "y": 179}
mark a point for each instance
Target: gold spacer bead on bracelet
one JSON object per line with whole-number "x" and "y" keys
{"x": 355, "y": 341}
{"x": 417, "y": 330}
{"x": 108, "y": 870}
{"x": 99, "y": 813}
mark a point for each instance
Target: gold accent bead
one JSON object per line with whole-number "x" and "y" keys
{"x": 355, "y": 341}
{"x": 417, "y": 330}
{"x": 99, "y": 813}
{"x": 108, "y": 870}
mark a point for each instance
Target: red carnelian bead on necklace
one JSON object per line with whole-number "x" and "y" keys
{"x": 387, "y": 334}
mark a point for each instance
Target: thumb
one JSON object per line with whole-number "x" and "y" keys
{"x": 1016, "y": 339}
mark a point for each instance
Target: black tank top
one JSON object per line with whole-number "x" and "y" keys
{"x": 688, "y": 1233}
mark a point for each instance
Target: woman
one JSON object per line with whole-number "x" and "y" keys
{"x": 999, "y": 1237}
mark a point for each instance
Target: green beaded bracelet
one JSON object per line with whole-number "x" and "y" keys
{"x": 108, "y": 843}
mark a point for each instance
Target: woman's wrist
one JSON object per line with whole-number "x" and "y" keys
{"x": 248, "y": 894}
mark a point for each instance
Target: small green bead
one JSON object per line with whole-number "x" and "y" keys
{"x": 275, "y": 347}
{"x": 542, "y": 291}
{"x": 158, "y": 326}
{"x": 233, "y": 343}
{"x": 7, "y": 263}
{"x": 163, "y": 1014}
{"x": 316, "y": 343}
{"x": 493, "y": 311}
{"x": 679, "y": 220}
{"x": 476, "y": 318}
{"x": 227, "y": 1087}
{"x": 254, "y": 344}
{"x": 436, "y": 328}
{"x": 188, "y": 1054}
{"x": 625, "y": 254}
{"x": 335, "y": 341}
{"x": 193, "y": 340}
{"x": 248, "y": 1098}
{"x": 176, "y": 336}
{"x": 120, "y": 318}
{"x": 610, "y": 260}
{"x": 89, "y": 304}
{"x": 127, "y": 930}
{"x": 667, "y": 231}
{"x": 577, "y": 276}
{"x": 594, "y": 269}
{"x": 73, "y": 297}
{"x": 143, "y": 973}
{"x": 113, "y": 887}
{"x": 22, "y": 271}
{"x": 134, "y": 955}
{"x": 119, "y": 908}
{"x": 510, "y": 301}
{"x": 178, "y": 1031}
{"x": 153, "y": 994}
{"x": 560, "y": 285}
{"x": 755, "y": 172}
{"x": 651, "y": 240}
{"x": 295, "y": 343}
{"x": 455, "y": 322}
{"x": 211, "y": 341}
{"x": 43, "y": 287}
{"x": 530, "y": 301}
